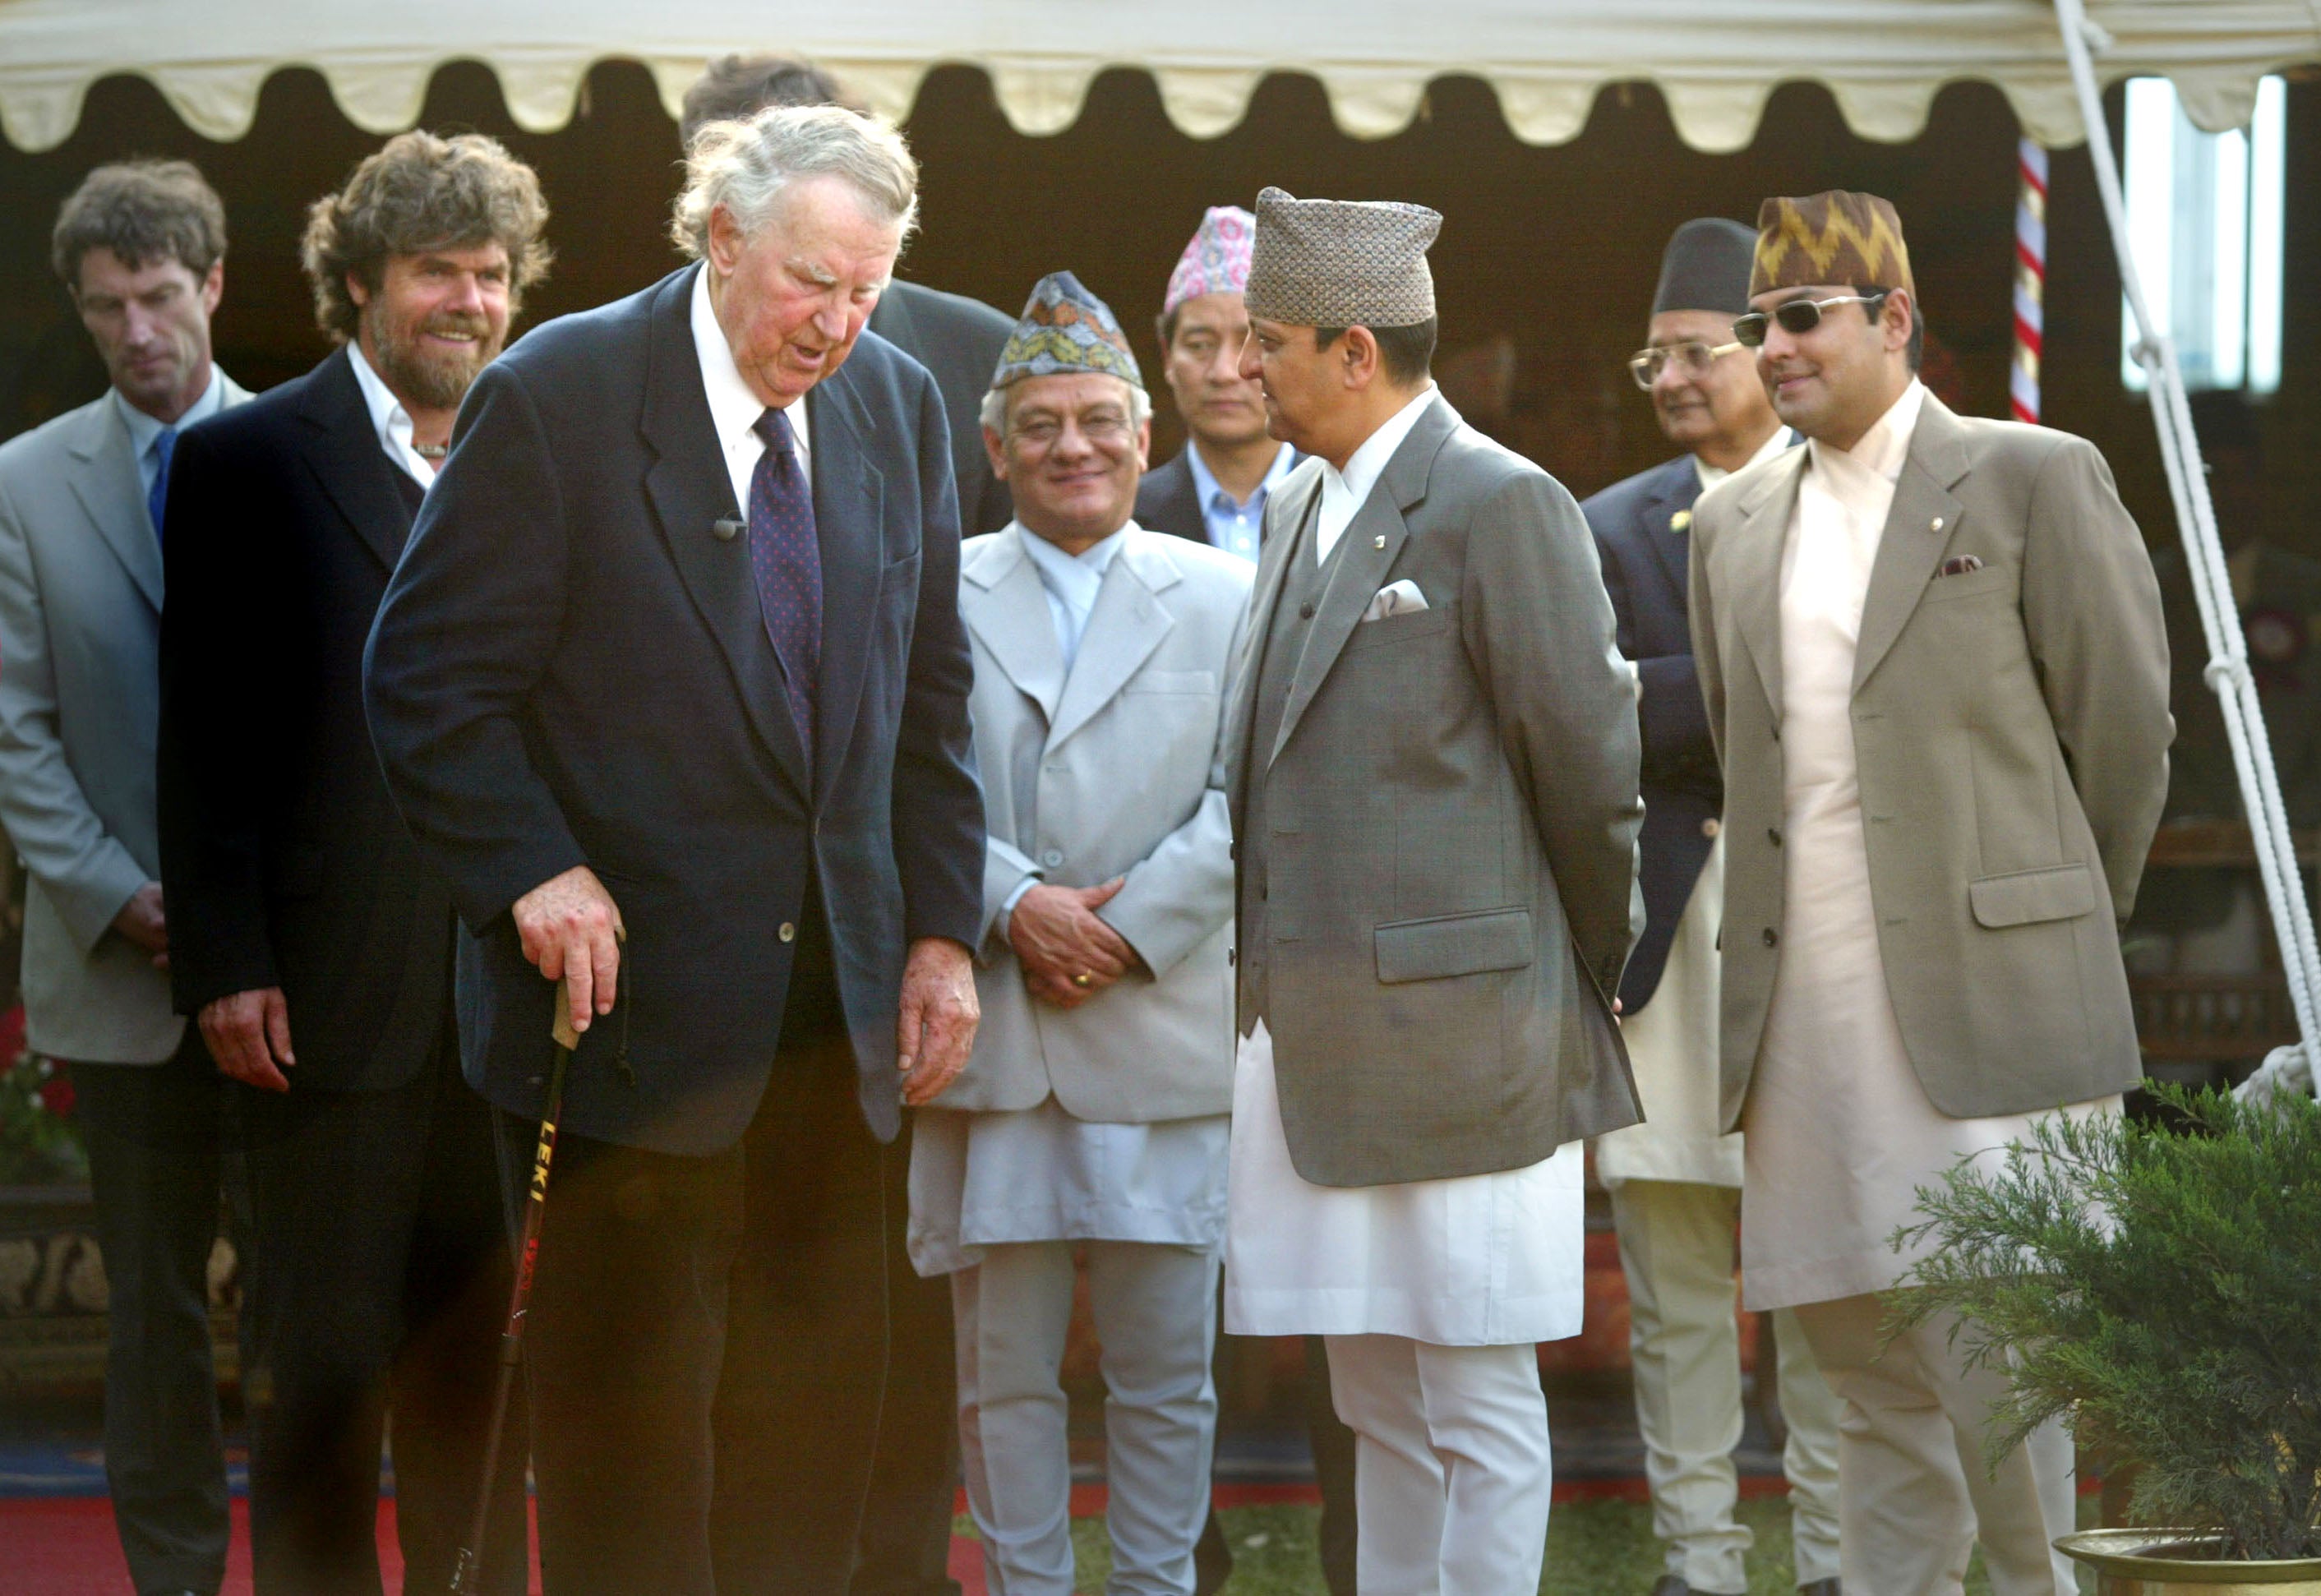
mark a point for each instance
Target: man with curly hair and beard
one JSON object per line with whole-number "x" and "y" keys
{"x": 309, "y": 936}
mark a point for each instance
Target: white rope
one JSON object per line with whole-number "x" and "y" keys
{"x": 2227, "y": 673}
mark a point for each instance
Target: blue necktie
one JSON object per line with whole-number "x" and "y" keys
{"x": 786, "y": 560}
{"x": 165, "y": 444}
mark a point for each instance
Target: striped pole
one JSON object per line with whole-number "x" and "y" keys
{"x": 2030, "y": 279}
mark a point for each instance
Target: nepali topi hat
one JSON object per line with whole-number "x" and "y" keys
{"x": 1065, "y": 329}
{"x": 1705, "y": 267}
{"x": 1342, "y": 262}
{"x": 1217, "y": 259}
{"x": 1827, "y": 239}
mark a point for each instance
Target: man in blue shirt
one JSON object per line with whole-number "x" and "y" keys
{"x": 1215, "y": 491}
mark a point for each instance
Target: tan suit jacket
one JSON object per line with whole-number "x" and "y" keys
{"x": 2011, "y": 732}
{"x": 1444, "y": 884}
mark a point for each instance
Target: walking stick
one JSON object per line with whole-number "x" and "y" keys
{"x": 467, "y": 1574}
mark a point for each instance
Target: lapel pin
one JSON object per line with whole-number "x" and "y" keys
{"x": 726, "y": 530}
{"x": 1378, "y": 541}
{"x": 1938, "y": 523}
{"x": 1680, "y": 522}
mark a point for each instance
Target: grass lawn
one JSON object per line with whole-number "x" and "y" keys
{"x": 1594, "y": 1549}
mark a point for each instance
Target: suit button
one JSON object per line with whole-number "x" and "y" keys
{"x": 1711, "y": 826}
{"x": 1773, "y": 836}
{"x": 1052, "y": 858}
{"x": 789, "y": 933}
{"x": 1306, "y": 610}
{"x": 1772, "y": 936}
{"x": 1230, "y": 957}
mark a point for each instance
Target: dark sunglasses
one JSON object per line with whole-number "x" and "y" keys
{"x": 1798, "y": 317}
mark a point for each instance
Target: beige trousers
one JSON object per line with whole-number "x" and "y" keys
{"x": 1917, "y": 1491}
{"x": 1677, "y": 1251}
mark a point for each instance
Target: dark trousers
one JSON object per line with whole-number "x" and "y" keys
{"x": 378, "y": 1282}
{"x": 915, "y": 1476}
{"x": 154, "y": 1159}
{"x": 707, "y": 1338}
{"x": 1334, "y": 1471}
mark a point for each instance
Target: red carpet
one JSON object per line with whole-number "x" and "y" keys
{"x": 65, "y": 1546}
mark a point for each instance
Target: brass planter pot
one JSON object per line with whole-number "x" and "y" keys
{"x": 2124, "y": 1568}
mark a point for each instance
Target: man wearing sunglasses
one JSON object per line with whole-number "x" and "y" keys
{"x": 1933, "y": 657}
{"x": 1675, "y": 1180}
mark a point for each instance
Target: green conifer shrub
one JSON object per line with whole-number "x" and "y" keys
{"x": 2160, "y": 1283}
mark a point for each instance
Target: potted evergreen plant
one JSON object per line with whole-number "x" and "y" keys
{"x": 2158, "y": 1282}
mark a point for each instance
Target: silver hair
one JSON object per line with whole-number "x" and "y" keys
{"x": 995, "y": 407}
{"x": 745, "y": 166}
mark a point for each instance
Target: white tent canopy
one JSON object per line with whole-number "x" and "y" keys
{"x": 1716, "y": 60}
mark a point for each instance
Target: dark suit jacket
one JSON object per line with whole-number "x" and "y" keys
{"x": 957, "y": 339}
{"x": 571, "y": 669}
{"x": 1167, "y": 499}
{"x": 1642, "y": 528}
{"x": 283, "y": 862}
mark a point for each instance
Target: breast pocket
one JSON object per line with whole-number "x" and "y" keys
{"x": 1401, "y": 628}
{"x": 1971, "y": 584}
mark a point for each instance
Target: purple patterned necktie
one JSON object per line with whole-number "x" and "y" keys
{"x": 786, "y": 560}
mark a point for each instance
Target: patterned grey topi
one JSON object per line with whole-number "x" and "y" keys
{"x": 1342, "y": 262}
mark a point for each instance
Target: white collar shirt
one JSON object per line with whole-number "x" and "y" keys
{"x": 1344, "y": 492}
{"x": 1710, "y": 476}
{"x": 145, "y": 430}
{"x": 1072, "y": 582}
{"x": 1843, "y": 496}
{"x": 1231, "y": 526}
{"x": 390, "y": 420}
{"x": 733, "y": 409}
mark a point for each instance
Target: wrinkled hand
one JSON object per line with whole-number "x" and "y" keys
{"x": 141, "y": 920}
{"x": 935, "y": 1030}
{"x": 249, "y": 1036}
{"x": 571, "y": 929}
{"x": 1068, "y": 954}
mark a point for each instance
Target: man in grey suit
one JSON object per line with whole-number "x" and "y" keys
{"x": 1093, "y": 1112}
{"x": 1933, "y": 657}
{"x": 1434, "y": 762}
{"x": 140, "y": 247}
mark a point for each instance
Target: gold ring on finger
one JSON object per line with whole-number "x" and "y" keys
{"x": 1080, "y": 980}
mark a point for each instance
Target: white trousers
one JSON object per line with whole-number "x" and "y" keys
{"x": 1452, "y": 1476}
{"x": 1155, "y": 1309}
{"x": 1677, "y": 1249}
{"x": 1916, "y": 1490}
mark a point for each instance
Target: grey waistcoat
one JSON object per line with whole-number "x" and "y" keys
{"x": 1285, "y": 645}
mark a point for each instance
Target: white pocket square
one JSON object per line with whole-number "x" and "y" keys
{"x": 1396, "y": 598}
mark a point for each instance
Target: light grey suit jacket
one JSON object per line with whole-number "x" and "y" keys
{"x": 1452, "y": 809}
{"x": 2011, "y": 734}
{"x": 1115, "y": 771}
{"x": 80, "y": 618}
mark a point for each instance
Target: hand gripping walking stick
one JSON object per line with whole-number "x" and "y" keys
{"x": 467, "y": 1574}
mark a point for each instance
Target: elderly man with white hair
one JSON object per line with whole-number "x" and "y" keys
{"x": 671, "y": 684}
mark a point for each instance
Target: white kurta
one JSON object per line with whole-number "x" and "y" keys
{"x": 1481, "y": 1261}
{"x": 1839, "y": 1132}
{"x": 1038, "y": 1174}
{"x": 1672, "y": 1048}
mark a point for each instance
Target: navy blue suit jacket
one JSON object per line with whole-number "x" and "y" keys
{"x": 570, "y": 668}
{"x": 282, "y": 861}
{"x": 1645, "y": 552}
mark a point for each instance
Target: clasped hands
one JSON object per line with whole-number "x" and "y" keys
{"x": 1068, "y": 954}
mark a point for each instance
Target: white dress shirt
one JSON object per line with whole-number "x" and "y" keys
{"x": 734, "y": 408}
{"x": 389, "y": 420}
{"x": 145, "y": 432}
{"x": 1234, "y": 525}
{"x": 1710, "y": 476}
{"x": 1343, "y": 492}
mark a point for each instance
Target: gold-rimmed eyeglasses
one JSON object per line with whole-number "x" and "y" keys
{"x": 1692, "y": 356}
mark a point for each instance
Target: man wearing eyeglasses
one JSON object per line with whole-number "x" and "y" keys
{"x": 1675, "y": 1180}
{"x": 1092, "y": 1116}
{"x": 1932, "y": 653}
